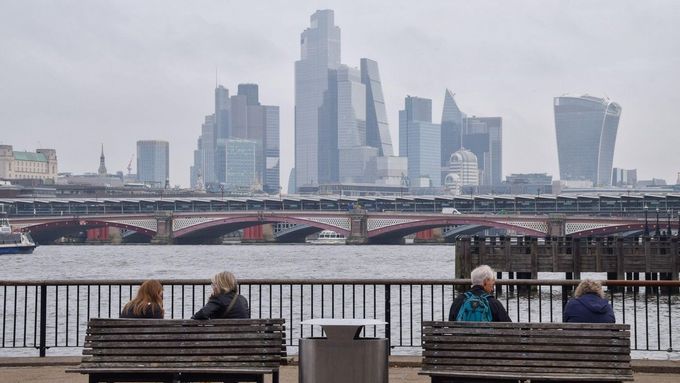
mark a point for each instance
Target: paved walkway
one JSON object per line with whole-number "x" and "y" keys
{"x": 56, "y": 374}
{"x": 402, "y": 370}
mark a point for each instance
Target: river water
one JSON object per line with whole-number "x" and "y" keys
{"x": 292, "y": 262}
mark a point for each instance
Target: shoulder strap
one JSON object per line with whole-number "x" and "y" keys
{"x": 231, "y": 304}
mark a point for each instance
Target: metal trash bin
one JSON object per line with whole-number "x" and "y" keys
{"x": 342, "y": 356}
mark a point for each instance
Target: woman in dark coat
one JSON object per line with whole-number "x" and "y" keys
{"x": 589, "y": 305}
{"x": 147, "y": 304}
{"x": 225, "y": 301}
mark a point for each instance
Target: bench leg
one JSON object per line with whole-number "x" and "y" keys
{"x": 275, "y": 377}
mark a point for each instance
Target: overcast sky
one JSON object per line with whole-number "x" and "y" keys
{"x": 74, "y": 74}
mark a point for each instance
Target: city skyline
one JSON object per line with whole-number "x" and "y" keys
{"x": 130, "y": 77}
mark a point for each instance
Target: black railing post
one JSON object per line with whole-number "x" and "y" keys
{"x": 388, "y": 317}
{"x": 43, "y": 320}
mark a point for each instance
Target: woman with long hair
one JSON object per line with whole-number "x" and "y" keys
{"x": 147, "y": 304}
{"x": 225, "y": 301}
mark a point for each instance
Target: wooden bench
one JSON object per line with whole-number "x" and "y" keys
{"x": 168, "y": 350}
{"x": 540, "y": 352}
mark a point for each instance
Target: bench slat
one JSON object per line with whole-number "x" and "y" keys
{"x": 179, "y": 365}
{"x": 605, "y": 326}
{"x": 124, "y": 322}
{"x": 528, "y": 348}
{"x": 583, "y": 377}
{"x": 491, "y": 332}
{"x": 188, "y": 344}
{"x": 518, "y": 340}
{"x": 215, "y": 336}
{"x": 184, "y": 329}
{"x": 182, "y": 351}
{"x": 180, "y": 358}
{"x": 528, "y": 355}
{"x": 488, "y": 362}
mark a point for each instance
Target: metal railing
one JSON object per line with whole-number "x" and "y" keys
{"x": 54, "y": 314}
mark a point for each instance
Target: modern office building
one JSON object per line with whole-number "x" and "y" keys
{"x": 377, "y": 127}
{"x": 419, "y": 141}
{"x": 624, "y": 177}
{"x": 484, "y": 137}
{"x": 586, "y": 134}
{"x": 241, "y": 117}
{"x": 239, "y": 157}
{"x": 452, "y": 128}
{"x": 18, "y": 165}
{"x": 153, "y": 162}
{"x": 319, "y": 52}
{"x": 463, "y": 164}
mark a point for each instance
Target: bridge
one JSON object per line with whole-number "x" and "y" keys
{"x": 357, "y": 225}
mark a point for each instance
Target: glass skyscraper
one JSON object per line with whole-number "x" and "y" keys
{"x": 452, "y": 128}
{"x": 377, "y": 128}
{"x": 484, "y": 137}
{"x": 419, "y": 141}
{"x": 153, "y": 162}
{"x": 586, "y": 134}
{"x": 319, "y": 52}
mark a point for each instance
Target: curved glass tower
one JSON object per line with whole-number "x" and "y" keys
{"x": 586, "y": 134}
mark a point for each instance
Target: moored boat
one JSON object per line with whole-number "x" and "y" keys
{"x": 14, "y": 243}
{"x": 328, "y": 237}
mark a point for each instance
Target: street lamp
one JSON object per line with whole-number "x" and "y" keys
{"x": 657, "y": 232}
{"x": 646, "y": 232}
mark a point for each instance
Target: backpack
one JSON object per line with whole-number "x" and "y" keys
{"x": 475, "y": 308}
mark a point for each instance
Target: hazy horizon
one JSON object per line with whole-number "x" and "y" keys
{"x": 76, "y": 74}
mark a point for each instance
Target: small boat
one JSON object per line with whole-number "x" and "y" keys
{"x": 14, "y": 243}
{"x": 328, "y": 237}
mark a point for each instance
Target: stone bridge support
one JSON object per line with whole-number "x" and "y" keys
{"x": 557, "y": 225}
{"x": 358, "y": 233}
{"x": 164, "y": 228}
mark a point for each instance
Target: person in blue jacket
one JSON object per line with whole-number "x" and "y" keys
{"x": 588, "y": 305}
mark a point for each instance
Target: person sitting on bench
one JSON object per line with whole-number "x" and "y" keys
{"x": 225, "y": 301}
{"x": 147, "y": 304}
{"x": 588, "y": 305}
{"x": 478, "y": 304}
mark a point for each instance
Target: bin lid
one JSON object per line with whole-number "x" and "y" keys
{"x": 343, "y": 322}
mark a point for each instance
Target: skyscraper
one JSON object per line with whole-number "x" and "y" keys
{"x": 586, "y": 134}
{"x": 241, "y": 117}
{"x": 320, "y": 51}
{"x": 484, "y": 137}
{"x": 419, "y": 142}
{"x": 452, "y": 128}
{"x": 377, "y": 128}
{"x": 153, "y": 162}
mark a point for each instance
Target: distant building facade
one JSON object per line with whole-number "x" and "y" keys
{"x": 238, "y": 117}
{"x": 484, "y": 137}
{"x": 19, "y": 165}
{"x": 239, "y": 157}
{"x": 463, "y": 163}
{"x": 319, "y": 53}
{"x": 586, "y": 130}
{"x": 624, "y": 177}
{"x": 419, "y": 142}
{"x": 153, "y": 162}
{"x": 451, "y": 131}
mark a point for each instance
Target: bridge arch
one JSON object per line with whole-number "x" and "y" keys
{"x": 391, "y": 233}
{"x": 217, "y": 227}
{"x": 52, "y": 230}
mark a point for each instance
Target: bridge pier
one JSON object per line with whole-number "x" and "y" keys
{"x": 163, "y": 228}
{"x": 557, "y": 225}
{"x": 358, "y": 232}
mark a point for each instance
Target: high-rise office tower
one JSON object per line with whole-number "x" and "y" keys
{"x": 586, "y": 134}
{"x": 377, "y": 128}
{"x": 153, "y": 162}
{"x": 239, "y": 157}
{"x": 242, "y": 117}
{"x": 351, "y": 125}
{"x": 484, "y": 137}
{"x": 419, "y": 142}
{"x": 452, "y": 128}
{"x": 320, "y": 51}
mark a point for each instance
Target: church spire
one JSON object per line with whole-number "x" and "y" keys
{"x": 102, "y": 163}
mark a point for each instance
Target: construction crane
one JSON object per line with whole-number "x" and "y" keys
{"x": 129, "y": 167}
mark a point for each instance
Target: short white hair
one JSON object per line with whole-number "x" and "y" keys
{"x": 481, "y": 274}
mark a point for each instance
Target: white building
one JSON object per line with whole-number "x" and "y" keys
{"x": 15, "y": 165}
{"x": 463, "y": 171}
